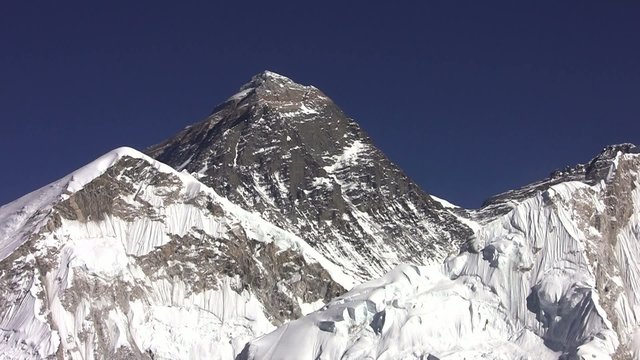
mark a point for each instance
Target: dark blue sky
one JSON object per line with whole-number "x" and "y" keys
{"x": 470, "y": 98}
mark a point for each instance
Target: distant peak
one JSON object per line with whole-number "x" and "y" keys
{"x": 268, "y": 84}
{"x": 601, "y": 167}
{"x": 607, "y": 153}
{"x": 611, "y": 151}
{"x": 267, "y": 78}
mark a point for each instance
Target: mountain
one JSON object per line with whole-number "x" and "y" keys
{"x": 127, "y": 258}
{"x": 552, "y": 273}
{"x": 275, "y": 229}
{"x": 286, "y": 151}
{"x": 291, "y": 205}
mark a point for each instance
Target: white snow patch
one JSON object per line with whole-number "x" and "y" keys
{"x": 348, "y": 157}
{"x": 240, "y": 95}
{"x": 444, "y": 203}
{"x": 184, "y": 164}
{"x": 305, "y": 110}
{"x": 104, "y": 256}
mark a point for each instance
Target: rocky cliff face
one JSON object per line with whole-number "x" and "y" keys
{"x": 289, "y": 153}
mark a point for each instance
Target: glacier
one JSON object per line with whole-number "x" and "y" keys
{"x": 555, "y": 277}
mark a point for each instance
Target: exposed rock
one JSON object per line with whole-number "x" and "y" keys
{"x": 140, "y": 240}
{"x": 288, "y": 152}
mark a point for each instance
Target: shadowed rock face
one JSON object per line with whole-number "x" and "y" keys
{"x": 287, "y": 151}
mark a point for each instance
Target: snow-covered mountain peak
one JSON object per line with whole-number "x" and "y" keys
{"x": 592, "y": 171}
{"x": 79, "y": 178}
{"x": 116, "y": 258}
{"x": 28, "y": 213}
{"x": 612, "y": 150}
{"x": 275, "y": 205}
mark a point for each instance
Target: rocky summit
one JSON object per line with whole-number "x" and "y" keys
{"x": 275, "y": 229}
{"x": 287, "y": 152}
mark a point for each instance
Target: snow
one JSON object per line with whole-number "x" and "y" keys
{"x": 104, "y": 256}
{"x": 302, "y": 110}
{"x": 473, "y": 225}
{"x": 532, "y": 278}
{"x": 26, "y": 215}
{"x": 184, "y": 164}
{"x": 171, "y": 322}
{"x": 635, "y": 343}
{"x": 240, "y": 95}
{"x": 212, "y": 324}
{"x": 321, "y": 182}
{"x": 308, "y": 308}
{"x": 273, "y": 75}
{"x": 305, "y": 110}
{"x": 425, "y": 313}
{"x": 24, "y": 334}
{"x": 348, "y": 157}
{"x": 445, "y": 203}
{"x": 235, "y": 155}
{"x": 144, "y": 235}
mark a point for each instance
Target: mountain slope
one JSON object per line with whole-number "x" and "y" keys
{"x": 127, "y": 258}
{"x": 288, "y": 152}
{"x": 556, "y": 275}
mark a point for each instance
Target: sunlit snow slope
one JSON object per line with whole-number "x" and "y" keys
{"x": 127, "y": 258}
{"x": 556, "y": 275}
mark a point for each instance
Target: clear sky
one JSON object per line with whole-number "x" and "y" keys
{"x": 470, "y": 98}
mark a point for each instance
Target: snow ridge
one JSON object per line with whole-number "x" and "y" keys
{"x": 126, "y": 269}
{"x": 547, "y": 279}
